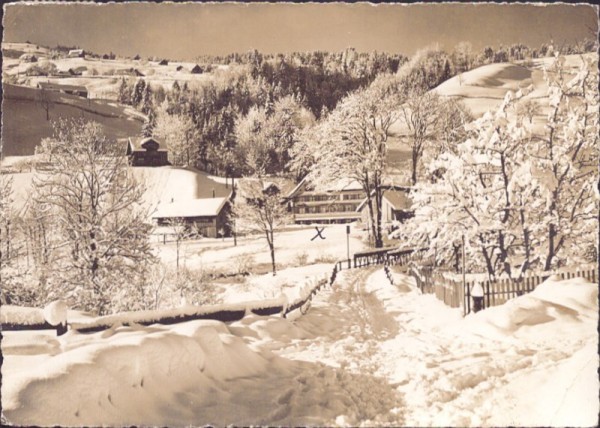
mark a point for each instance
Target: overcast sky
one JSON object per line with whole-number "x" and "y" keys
{"x": 183, "y": 31}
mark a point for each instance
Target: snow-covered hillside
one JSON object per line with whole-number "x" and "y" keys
{"x": 367, "y": 353}
{"x": 101, "y": 76}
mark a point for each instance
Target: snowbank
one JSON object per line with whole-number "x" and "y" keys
{"x": 367, "y": 353}
{"x": 197, "y": 373}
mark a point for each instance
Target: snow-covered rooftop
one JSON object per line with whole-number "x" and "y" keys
{"x": 206, "y": 207}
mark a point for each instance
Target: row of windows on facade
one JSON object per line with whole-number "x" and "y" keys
{"x": 319, "y": 198}
{"x": 325, "y": 209}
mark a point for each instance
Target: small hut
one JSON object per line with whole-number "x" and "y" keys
{"x": 197, "y": 70}
{"x": 163, "y": 62}
{"x": 26, "y": 57}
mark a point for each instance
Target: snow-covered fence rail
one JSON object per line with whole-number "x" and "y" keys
{"x": 448, "y": 287}
{"x": 16, "y": 318}
{"x": 52, "y": 317}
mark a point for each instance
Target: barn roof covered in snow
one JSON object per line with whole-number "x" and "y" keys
{"x": 206, "y": 207}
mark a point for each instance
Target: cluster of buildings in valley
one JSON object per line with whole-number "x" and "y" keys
{"x": 209, "y": 215}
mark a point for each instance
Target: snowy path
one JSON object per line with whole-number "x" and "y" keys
{"x": 451, "y": 371}
{"x": 366, "y": 353}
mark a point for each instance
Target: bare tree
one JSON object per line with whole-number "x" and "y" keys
{"x": 96, "y": 204}
{"x": 45, "y": 101}
{"x": 259, "y": 208}
{"x": 420, "y": 114}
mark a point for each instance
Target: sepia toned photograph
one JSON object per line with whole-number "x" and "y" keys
{"x": 299, "y": 214}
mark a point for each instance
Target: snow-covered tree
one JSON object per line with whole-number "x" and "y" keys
{"x": 97, "y": 207}
{"x": 146, "y": 102}
{"x": 353, "y": 144}
{"x": 124, "y": 92}
{"x": 420, "y": 116}
{"x": 462, "y": 57}
{"x": 523, "y": 198}
{"x": 267, "y": 135}
{"x": 258, "y": 208}
{"x": 565, "y": 162}
{"x": 179, "y": 134}
{"x": 6, "y": 218}
{"x": 137, "y": 94}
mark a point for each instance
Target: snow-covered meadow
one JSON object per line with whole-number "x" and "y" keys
{"x": 367, "y": 353}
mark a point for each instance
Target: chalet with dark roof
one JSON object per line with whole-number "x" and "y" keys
{"x": 146, "y": 152}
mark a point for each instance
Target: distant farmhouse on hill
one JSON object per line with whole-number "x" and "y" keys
{"x": 80, "y": 91}
{"x": 27, "y": 57}
{"x": 146, "y": 152}
{"x": 197, "y": 70}
{"x": 76, "y": 53}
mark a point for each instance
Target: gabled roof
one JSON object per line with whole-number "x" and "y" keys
{"x": 397, "y": 198}
{"x": 252, "y": 185}
{"x": 207, "y": 207}
{"x": 340, "y": 186}
{"x": 140, "y": 143}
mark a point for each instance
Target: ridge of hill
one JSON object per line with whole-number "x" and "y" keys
{"x": 25, "y": 124}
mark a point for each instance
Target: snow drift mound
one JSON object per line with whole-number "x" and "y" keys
{"x": 150, "y": 376}
{"x": 193, "y": 373}
{"x": 553, "y": 307}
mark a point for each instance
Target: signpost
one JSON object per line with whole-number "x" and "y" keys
{"x": 348, "y": 244}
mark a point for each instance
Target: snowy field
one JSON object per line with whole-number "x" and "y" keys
{"x": 366, "y": 353}
{"x": 293, "y": 247}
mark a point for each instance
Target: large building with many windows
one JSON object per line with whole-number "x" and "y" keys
{"x": 334, "y": 206}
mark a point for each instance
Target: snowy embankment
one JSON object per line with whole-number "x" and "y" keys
{"x": 367, "y": 353}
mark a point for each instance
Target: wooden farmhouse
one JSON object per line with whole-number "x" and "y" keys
{"x": 395, "y": 206}
{"x": 337, "y": 205}
{"x": 146, "y": 152}
{"x": 208, "y": 216}
{"x": 80, "y": 91}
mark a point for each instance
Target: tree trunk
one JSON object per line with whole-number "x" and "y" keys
{"x": 378, "y": 204}
{"x": 551, "y": 250}
{"x": 272, "y": 249}
{"x": 415, "y": 161}
{"x": 372, "y": 227}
